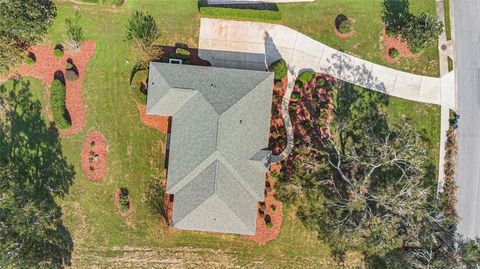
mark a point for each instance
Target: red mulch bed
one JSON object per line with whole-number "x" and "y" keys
{"x": 161, "y": 123}
{"x": 397, "y": 43}
{"x": 264, "y": 234}
{"x": 94, "y": 156}
{"x": 337, "y": 33}
{"x": 44, "y": 69}
{"x": 194, "y": 59}
{"x": 276, "y": 121}
{"x": 127, "y": 213}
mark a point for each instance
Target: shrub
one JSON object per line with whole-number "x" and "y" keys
{"x": 391, "y": 32}
{"x": 320, "y": 82}
{"x": 59, "y": 108}
{"x": 31, "y": 59}
{"x": 296, "y": 96}
{"x": 328, "y": 84}
{"x": 242, "y": 14}
{"x": 71, "y": 74}
{"x": 280, "y": 69}
{"x": 279, "y": 84}
{"x": 422, "y": 31}
{"x": 69, "y": 65}
{"x": 394, "y": 53}
{"x": 299, "y": 84}
{"x": 273, "y": 207}
{"x": 182, "y": 54}
{"x": 124, "y": 200}
{"x": 74, "y": 31}
{"x": 345, "y": 26}
{"x": 307, "y": 76}
{"x": 58, "y": 52}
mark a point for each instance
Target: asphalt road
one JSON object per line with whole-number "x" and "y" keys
{"x": 466, "y": 20}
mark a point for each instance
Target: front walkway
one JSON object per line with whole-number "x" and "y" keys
{"x": 252, "y": 45}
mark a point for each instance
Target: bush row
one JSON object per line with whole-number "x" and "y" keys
{"x": 59, "y": 107}
{"x": 241, "y": 14}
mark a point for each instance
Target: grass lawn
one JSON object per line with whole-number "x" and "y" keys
{"x": 135, "y": 152}
{"x": 425, "y": 119}
{"x": 317, "y": 21}
{"x": 101, "y": 236}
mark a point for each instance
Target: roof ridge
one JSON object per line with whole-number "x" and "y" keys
{"x": 233, "y": 211}
{"x": 247, "y": 93}
{"x": 193, "y": 173}
{"x": 237, "y": 175}
{"x": 193, "y": 209}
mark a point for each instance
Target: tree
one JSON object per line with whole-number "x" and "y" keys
{"x": 33, "y": 172}
{"x": 74, "y": 31}
{"x": 143, "y": 31}
{"x": 375, "y": 196}
{"x": 421, "y": 31}
{"x": 22, "y": 23}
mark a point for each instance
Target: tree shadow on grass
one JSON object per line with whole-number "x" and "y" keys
{"x": 33, "y": 173}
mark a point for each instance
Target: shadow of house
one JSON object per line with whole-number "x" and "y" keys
{"x": 34, "y": 172}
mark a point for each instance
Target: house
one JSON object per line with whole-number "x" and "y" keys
{"x": 217, "y": 157}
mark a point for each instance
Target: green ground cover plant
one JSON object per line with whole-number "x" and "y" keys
{"x": 59, "y": 107}
{"x": 241, "y": 14}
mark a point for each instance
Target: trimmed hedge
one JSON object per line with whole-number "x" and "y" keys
{"x": 241, "y": 14}
{"x": 59, "y": 107}
{"x": 307, "y": 76}
{"x": 280, "y": 69}
{"x": 58, "y": 53}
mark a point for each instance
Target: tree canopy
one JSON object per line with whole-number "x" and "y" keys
{"x": 23, "y": 23}
{"x": 33, "y": 171}
{"x": 418, "y": 30}
{"x": 142, "y": 31}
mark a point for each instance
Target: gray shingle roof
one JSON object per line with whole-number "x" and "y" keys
{"x": 219, "y": 136}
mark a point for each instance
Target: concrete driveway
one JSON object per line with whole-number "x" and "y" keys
{"x": 253, "y": 45}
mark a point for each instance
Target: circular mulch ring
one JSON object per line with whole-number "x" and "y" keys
{"x": 395, "y": 43}
{"x": 127, "y": 213}
{"x": 94, "y": 157}
{"x": 338, "y": 20}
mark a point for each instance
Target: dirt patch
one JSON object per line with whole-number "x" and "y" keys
{"x": 45, "y": 68}
{"x": 94, "y": 156}
{"x": 395, "y": 43}
{"x": 161, "y": 123}
{"x": 270, "y": 210}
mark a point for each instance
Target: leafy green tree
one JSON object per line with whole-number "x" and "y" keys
{"x": 33, "y": 172}
{"x": 74, "y": 31}
{"x": 22, "y": 23}
{"x": 143, "y": 31}
{"x": 421, "y": 31}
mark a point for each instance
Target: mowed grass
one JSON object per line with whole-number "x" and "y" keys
{"x": 135, "y": 154}
{"x": 425, "y": 118}
{"x": 317, "y": 21}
